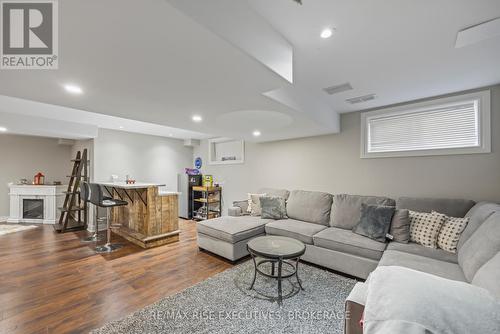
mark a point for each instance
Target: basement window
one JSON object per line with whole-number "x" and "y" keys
{"x": 454, "y": 125}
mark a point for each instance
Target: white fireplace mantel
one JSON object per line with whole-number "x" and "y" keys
{"x": 52, "y": 196}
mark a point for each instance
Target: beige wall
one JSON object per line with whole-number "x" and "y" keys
{"x": 145, "y": 158}
{"x": 332, "y": 163}
{"x": 24, "y": 156}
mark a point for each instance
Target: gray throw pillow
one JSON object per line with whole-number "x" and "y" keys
{"x": 400, "y": 226}
{"x": 375, "y": 221}
{"x": 273, "y": 207}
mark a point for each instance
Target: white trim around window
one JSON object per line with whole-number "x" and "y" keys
{"x": 459, "y": 124}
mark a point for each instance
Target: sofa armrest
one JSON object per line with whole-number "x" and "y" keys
{"x": 358, "y": 293}
{"x": 354, "y": 308}
{"x": 353, "y": 315}
{"x": 234, "y": 211}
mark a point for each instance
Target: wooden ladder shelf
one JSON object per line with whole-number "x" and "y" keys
{"x": 74, "y": 212}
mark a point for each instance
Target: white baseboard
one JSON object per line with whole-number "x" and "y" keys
{"x": 3, "y": 219}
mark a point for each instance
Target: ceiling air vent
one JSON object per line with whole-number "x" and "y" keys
{"x": 338, "y": 88}
{"x": 361, "y": 99}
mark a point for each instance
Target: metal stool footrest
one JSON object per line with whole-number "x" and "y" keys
{"x": 107, "y": 248}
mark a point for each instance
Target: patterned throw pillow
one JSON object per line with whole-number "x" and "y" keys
{"x": 450, "y": 233}
{"x": 424, "y": 227}
{"x": 273, "y": 207}
{"x": 254, "y": 204}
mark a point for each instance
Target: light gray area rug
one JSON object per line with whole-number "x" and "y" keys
{"x": 223, "y": 304}
{"x": 11, "y": 228}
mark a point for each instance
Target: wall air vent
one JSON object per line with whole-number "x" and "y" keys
{"x": 338, "y": 88}
{"x": 361, "y": 99}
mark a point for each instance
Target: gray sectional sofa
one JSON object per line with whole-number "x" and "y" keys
{"x": 324, "y": 223}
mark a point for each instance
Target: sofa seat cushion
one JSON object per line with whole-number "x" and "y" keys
{"x": 233, "y": 229}
{"x": 347, "y": 241}
{"x": 414, "y": 248}
{"x": 416, "y": 262}
{"x": 309, "y": 206}
{"x": 296, "y": 229}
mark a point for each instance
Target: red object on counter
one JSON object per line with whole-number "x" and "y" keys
{"x": 39, "y": 179}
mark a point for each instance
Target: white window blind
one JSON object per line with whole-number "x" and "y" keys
{"x": 445, "y": 127}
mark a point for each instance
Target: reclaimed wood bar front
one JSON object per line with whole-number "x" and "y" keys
{"x": 151, "y": 217}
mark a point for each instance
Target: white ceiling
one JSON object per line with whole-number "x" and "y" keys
{"x": 21, "y": 116}
{"x": 156, "y": 63}
{"x": 401, "y": 50}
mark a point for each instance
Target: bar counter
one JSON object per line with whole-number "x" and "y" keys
{"x": 151, "y": 217}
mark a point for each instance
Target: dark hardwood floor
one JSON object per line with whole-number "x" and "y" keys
{"x": 53, "y": 283}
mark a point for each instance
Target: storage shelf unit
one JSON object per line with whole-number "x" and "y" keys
{"x": 74, "y": 212}
{"x": 206, "y": 202}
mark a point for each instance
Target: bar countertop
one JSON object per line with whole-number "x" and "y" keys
{"x": 137, "y": 185}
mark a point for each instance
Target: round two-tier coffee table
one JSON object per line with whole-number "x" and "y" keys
{"x": 276, "y": 250}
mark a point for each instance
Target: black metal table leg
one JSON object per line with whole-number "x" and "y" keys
{"x": 272, "y": 268}
{"x": 297, "y": 273}
{"x": 254, "y": 271}
{"x": 280, "y": 293}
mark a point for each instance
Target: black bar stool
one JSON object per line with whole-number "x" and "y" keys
{"x": 85, "y": 197}
{"x": 98, "y": 199}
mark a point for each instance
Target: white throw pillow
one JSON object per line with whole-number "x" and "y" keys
{"x": 254, "y": 204}
{"x": 450, "y": 233}
{"x": 402, "y": 300}
{"x": 424, "y": 227}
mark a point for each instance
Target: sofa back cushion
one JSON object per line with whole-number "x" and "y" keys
{"x": 477, "y": 215}
{"x": 450, "y": 207}
{"x": 309, "y": 206}
{"x": 488, "y": 276}
{"x": 346, "y": 209}
{"x": 480, "y": 247}
{"x": 275, "y": 192}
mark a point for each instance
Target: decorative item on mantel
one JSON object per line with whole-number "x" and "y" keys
{"x": 22, "y": 182}
{"x": 39, "y": 179}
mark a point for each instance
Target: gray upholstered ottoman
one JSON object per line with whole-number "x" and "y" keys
{"x": 228, "y": 236}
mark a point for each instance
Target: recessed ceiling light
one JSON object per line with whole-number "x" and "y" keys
{"x": 256, "y": 133}
{"x": 121, "y": 127}
{"x": 326, "y": 33}
{"x": 73, "y": 89}
{"x": 197, "y": 118}
{"x": 171, "y": 135}
{"x": 2, "y": 129}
